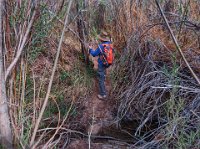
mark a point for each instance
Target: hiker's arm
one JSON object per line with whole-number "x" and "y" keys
{"x": 95, "y": 52}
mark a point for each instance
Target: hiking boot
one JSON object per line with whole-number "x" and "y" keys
{"x": 101, "y": 97}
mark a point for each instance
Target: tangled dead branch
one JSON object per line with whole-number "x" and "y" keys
{"x": 147, "y": 88}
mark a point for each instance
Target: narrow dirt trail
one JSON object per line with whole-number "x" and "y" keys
{"x": 97, "y": 112}
{"x": 97, "y": 116}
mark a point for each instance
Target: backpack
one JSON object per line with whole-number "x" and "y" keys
{"x": 107, "y": 56}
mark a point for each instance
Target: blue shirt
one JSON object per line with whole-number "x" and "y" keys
{"x": 97, "y": 52}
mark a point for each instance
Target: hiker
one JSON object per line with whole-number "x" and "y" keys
{"x": 104, "y": 61}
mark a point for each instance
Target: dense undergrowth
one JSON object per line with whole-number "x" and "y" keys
{"x": 156, "y": 93}
{"x": 150, "y": 82}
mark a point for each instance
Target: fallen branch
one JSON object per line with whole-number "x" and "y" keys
{"x": 176, "y": 43}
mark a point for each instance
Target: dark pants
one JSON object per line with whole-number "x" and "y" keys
{"x": 101, "y": 79}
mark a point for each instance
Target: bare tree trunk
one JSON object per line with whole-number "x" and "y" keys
{"x": 100, "y": 18}
{"x": 82, "y": 29}
{"x": 5, "y": 128}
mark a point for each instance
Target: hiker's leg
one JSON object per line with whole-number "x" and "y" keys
{"x": 102, "y": 88}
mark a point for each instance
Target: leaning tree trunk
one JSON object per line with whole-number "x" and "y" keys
{"x": 5, "y": 128}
